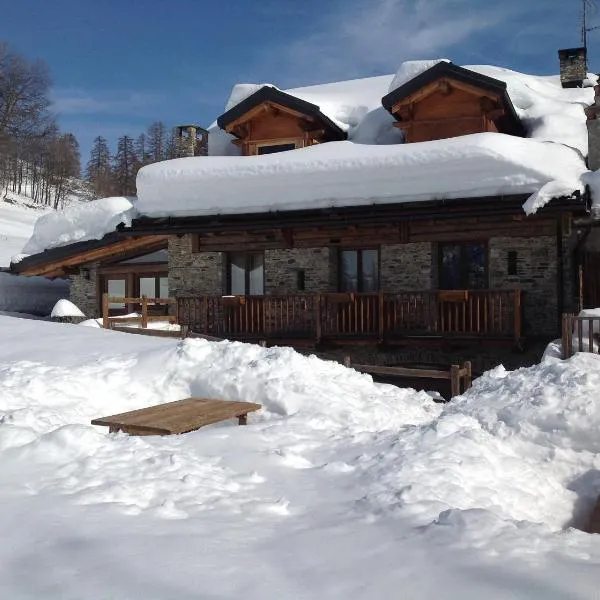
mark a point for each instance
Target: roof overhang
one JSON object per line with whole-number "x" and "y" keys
{"x": 270, "y": 95}
{"x": 511, "y": 122}
{"x": 58, "y": 262}
{"x": 372, "y": 214}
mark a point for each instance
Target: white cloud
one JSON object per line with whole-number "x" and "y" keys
{"x": 80, "y": 102}
{"x": 374, "y": 36}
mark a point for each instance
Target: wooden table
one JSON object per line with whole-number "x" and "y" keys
{"x": 177, "y": 417}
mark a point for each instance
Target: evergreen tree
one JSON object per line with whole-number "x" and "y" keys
{"x": 98, "y": 170}
{"x": 124, "y": 167}
{"x": 157, "y": 142}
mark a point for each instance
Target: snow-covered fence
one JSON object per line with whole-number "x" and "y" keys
{"x": 147, "y": 305}
{"x": 580, "y": 334}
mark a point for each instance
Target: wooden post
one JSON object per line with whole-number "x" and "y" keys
{"x": 381, "y": 317}
{"x": 468, "y": 375}
{"x": 454, "y": 381}
{"x": 318, "y": 331}
{"x": 144, "y": 312}
{"x": 567, "y": 325}
{"x": 205, "y": 314}
{"x": 243, "y": 419}
{"x": 105, "y": 320}
{"x": 580, "y": 276}
{"x": 517, "y": 316}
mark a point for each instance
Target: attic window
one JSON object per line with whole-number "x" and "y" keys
{"x": 274, "y": 148}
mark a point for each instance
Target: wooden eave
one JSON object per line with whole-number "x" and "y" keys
{"x": 57, "y": 262}
{"x": 373, "y": 214}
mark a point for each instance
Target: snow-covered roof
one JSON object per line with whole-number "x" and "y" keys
{"x": 373, "y": 166}
{"x": 79, "y": 223}
{"x": 347, "y": 174}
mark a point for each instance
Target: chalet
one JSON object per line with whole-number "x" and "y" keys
{"x": 382, "y": 213}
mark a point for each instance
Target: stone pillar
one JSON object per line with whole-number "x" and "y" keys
{"x": 573, "y": 66}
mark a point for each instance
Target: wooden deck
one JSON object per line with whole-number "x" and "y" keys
{"x": 177, "y": 417}
{"x": 358, "y": 318}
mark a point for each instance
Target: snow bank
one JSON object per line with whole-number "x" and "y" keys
{"x": 80, "y": 222}
{"x": 346, "y": 174}
{"x": 65, "y": 308}
{"x": 30, "y": 295}
{"x": 332, "y": 465}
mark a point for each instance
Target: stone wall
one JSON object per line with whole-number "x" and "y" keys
{"x": 537, "y": 274}
{"x": 282, "y": 267}
{"x": 83, "y": 293}
{"x": 406, "y": 267}
{"x": 192, "y": 273}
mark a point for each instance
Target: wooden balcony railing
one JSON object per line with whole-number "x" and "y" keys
{"x": 372, "y": 316}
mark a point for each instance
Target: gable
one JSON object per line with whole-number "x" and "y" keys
{"x": 448, "y": 101}
{"x": 270, "y": 115}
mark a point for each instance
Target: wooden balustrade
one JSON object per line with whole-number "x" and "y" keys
{"x": 376, "y": 316}
{"x": 580, "y": 334}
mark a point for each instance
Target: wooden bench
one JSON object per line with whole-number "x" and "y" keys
{"x": 177, "y": 417}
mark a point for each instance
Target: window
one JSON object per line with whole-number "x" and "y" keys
{"x": 274, "y": 148}
{"x": 153, "y": 286}
{"x": 359, "y": 270}
{"x": 245, "y": 274}
{"x": 462, "y": 266}
{"x": 301, "y": 280}
{"x": 116, "y": 287}
{"x": 511, "y": 259}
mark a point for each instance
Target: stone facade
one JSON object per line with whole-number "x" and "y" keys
{"x": 406, "y": 267}
{"x": 83, "y": 293}
{"x": 536, "y": 276}
{"x": 282, "y": 268}
{"x": 194, "y": 273}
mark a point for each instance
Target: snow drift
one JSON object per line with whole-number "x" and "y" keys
{"x": 337, "y": 477}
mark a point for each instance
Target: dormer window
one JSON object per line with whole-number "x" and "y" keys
{"x": 274, "y": 148}
{"x": 270, "y": 121}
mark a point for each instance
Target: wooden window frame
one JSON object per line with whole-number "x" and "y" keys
{"x": 359, "y": 250}
{"x": 463, "y": 262}
{"x": 246, "y": 272}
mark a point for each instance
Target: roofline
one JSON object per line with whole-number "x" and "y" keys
{"x": 268, "y": 93}
{"x": 47, "y": 257}
{"x": 352, "y": 215}
{"x": 460, "y": 73}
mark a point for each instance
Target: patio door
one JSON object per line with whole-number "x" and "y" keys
{"x": 462, "y": 267}
{"x": 245, "y": 278}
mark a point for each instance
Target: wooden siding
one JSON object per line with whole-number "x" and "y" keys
{"x": 446, "y": 109}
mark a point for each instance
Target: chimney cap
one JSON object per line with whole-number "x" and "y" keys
{"x": 568, "y": 51}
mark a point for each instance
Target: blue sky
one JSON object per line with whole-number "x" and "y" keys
{"x": 118, "y": 65}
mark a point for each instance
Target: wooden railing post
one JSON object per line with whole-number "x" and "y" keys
{"x": 517, "y": 316}
{"x": 454, "y": 381}
{"x": 318, "y": 329}
{"x": 380, "y": 317}
{"x": 205, "y": 314}
{"x": 144, "y": 312}
{"x": 567, "y": 335}
{"x": 468, "y": 375}
{"x": 105, "y": 319}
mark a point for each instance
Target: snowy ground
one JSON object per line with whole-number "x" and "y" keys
{"x": 338, "y": 488}
{"x": 16, "y": 227}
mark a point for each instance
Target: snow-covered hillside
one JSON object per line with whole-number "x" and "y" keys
{"x": 339, "y": 488}
{"x": 34, "y": 295}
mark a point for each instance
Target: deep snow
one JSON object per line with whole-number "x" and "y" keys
{"x": 338, "y": 488}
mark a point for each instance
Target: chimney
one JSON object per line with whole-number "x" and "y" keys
{"x": 573, "y": 67}
{"x": 593, "y": 127}
{"x": 192, "y": 140}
